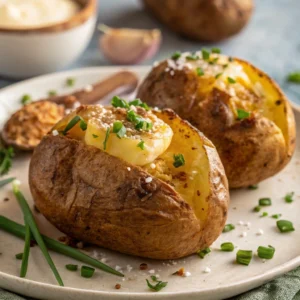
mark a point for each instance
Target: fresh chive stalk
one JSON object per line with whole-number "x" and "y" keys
{"x": 228, "y": 247}
{"x": 228, "y": 227}
{"x": 26, "y": 251}
{"x": 265, "y": 201}
{"x": 204, "y": 252}
{"x": 29, "y": 219}
{"x": 244, "y": 257}
{"x": 19, "y": 231}
{"x": 6, "y": 181}
{"x": 265, "y": 252}
{"x": 285, "y": 226}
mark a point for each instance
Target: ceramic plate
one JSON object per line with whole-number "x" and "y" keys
{"x": 226, "y": 277}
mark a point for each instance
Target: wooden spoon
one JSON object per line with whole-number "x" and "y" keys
{"x": 26, "y": 127}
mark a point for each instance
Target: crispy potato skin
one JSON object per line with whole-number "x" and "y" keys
{"x": 202, "y": 20}
{"x": 90, "y": 195}
{"x": 251, "y": 150}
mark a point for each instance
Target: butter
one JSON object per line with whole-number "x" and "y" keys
{"x": 35, "y": 13}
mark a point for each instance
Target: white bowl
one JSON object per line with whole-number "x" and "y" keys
{"x": 35, "y": 51}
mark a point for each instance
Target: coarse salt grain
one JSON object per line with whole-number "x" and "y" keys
{"x": 244, "y": 234}
{"x": 148, "y": 179}
{"x": 118, "y": 268}
{"x": 129, "y": 268}
{"x": 207, "y": 270}
{"x": 157, "y": 275}
{"x": 55, "y": 132}
{"x": 187, "y": 274}
{"x": 172, "y": 73}
{"x": 155, "y": 64}
{"x": 103, "y": 259}
{"x": 151, "y": 271}
{"x": 260, "y": 232}
{"x": 248, "y": 224}
{"x": 88, "y": 88}
{"x": 152, "y": 166}
{"x": 241, "y": 223}
{"x": 128, "y": 168}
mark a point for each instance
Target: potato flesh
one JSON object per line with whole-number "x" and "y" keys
{"x": 99, "y": 119}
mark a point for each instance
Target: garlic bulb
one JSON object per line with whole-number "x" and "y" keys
{"x": 129, "y": 46}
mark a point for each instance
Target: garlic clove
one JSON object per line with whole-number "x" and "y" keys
{"x": 129, "y": 46}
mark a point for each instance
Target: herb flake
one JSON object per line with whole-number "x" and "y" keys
{"x": 178, "y": 160}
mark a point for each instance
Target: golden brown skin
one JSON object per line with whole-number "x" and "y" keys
{"x": 26, "y": 127}
{"x": 202, "y": 20}
{"x": 251, "y": 149}
{"x": 91, "y": 196}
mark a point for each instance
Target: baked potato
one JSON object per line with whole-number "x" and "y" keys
{"x": 203, "y": 20}
{"x": 237, "y": 106}
{"x": 156, "y": 191}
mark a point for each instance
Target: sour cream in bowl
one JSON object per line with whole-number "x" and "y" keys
{"x": 41, "y": 36}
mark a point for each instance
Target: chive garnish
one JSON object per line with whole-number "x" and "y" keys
{"x": 285, "y": 226}
{"x": 218, "y": 75}
{"x": 29, "y": 219}
{"x": 95, "y": 136}
{"x": 244, "y": 257}
{"x": 154, "y": 278}
{"x": 202, "y": 253}
{"x": 19, "y": 256}
{"x": 119, "y": 129}
{"x": 83, "y": 125}
{"x": 71, "y": 267}
{"x": 26, "y": 251}
{"x": 228, "y": 247}
{"x": 118, "y": 102}
{"x": 230, "y": 59}
{"x": 70, "y": 81}
{"x": 141, "y": 145}
{"x": 178, "y": 160}
{"x": 205, "y": 54}
{"x": 6, "y": 181}
{"x": 265, "y": 252}
{"x": 87, "y": 272}
{"x": 231, "y": 80}
{"x": 242, "y": 114}
{"x": 176, "y": 55}
{"x": 73, "y": 122}
{"x": 19, "y": 231}
{"x": 294, "y": 77}
{"x": 192, "y": 57}
{"x": 253, "y": 187}
{"x": 264, "y": 214}
{"x": 276, "y": 216}
{"x": 6, "y": 156}
{"x": 160, "y": 285}
{"x": 216, "y": 50}
{"x": 257, "y": 208}
{"x": 199, "y": 71}
{"x": 289, "y": 197}
{"x": 52, "y": 93}
{"x": 26, "y": 99}
{"x": 265, "y": 201}
{"x": 138, "y": 102}
{"x": 138, "y": 121}
{"x": 106, "y": 138}
{"x": 228, "y": 227}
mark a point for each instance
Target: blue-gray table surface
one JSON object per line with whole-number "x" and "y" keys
{"x": 271, "y": 41}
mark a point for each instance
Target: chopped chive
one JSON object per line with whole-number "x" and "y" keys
{"x": 71, "y": 267}
{"x": 264, "y": 214}
{"x": 230, "y": 59}
{"x": 160, "y": 285}
{"x": 6, "y": 181}
{"x": 106, "y": 138}
{"x": 242, "y": 114}
{"x": 83, "y": 125}
{"x": 265, "y": 252}
{"x": 118, "y": 102}
{"x": 199, "y": 71}
{"x": 138, "y": 102}
{"x": 218, "y": 75}
{"x": 26, "y": 251}
{"x": 176, "y": 55}
{"x": 257, "y": 208}
{"x": 154, "y": 278}
{"x": 294, "y": 77}
{"x": 19, "y": 231}
{"x": 253, "y": 187}
{"x": 244, "y": 257}
{"x": 265, "y": 201}
{"x": 228, "y": 247}
{"x": 213, "y": 61}
{"x": 276, "y": 216}
{"x": 71, "y": 124}
{"x": 178, "y": 160}
{"x": 26, "y": 99}
{"x": 205, "y": 54}
{"x": 6, "y": 156}
{"x": 52, "y": 93}
{"x": 95, "y": 136}
{"x": 289, "y": 197}
{"x": 225, "y": 66}
{"x": 202, "y": 253}
{"x": 231, "y": 80}
{"x": 119, "y": 129}
{"x": 19, "y": 256}
{"x": 216, "y": 50}
{"x": 228, "y": 227}
{"x": 70, "y": 81}
{"x": 192, "y": 57}
{"x": 285, "y": 226}
{"x": 29, "y": 219}
{"x": 141, "y": 145}
{"x": 87, "y": 272}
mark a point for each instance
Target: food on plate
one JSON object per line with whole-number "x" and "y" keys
{"x": 129, "y": 46}
{"x": 203, "y": 20}
{"x": 131, "y": 179}
{"x": 237, "y": 106}
{"x": 26, "y": 127}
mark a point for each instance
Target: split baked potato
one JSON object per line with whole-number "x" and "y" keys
{"x": 237, "y": 106}
{"x": 203, "y": 20}
{"x": 130, "y": 179}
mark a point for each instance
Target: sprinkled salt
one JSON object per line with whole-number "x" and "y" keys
{"x": 187, "y": 274}
{"x": 129, "y": 268}
{"x": 103, "y": 259}
{"x": 241, "y": 223}
{"x": 88, "y": 88}
{"x": 128, "y": 168}
{"x": 244, "y": 234}
{"x": 55, "y": 132}
{"x": 260, "y": 232}
{"x": 207, "y": 270}
{"x": 152, "y": 166}
{"x": 151, "y": 271}
{"x": 148, "y": 179}
{"x": 118, "y": 268}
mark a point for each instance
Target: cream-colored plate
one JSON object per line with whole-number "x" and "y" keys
{"x": 226, "y": 277}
